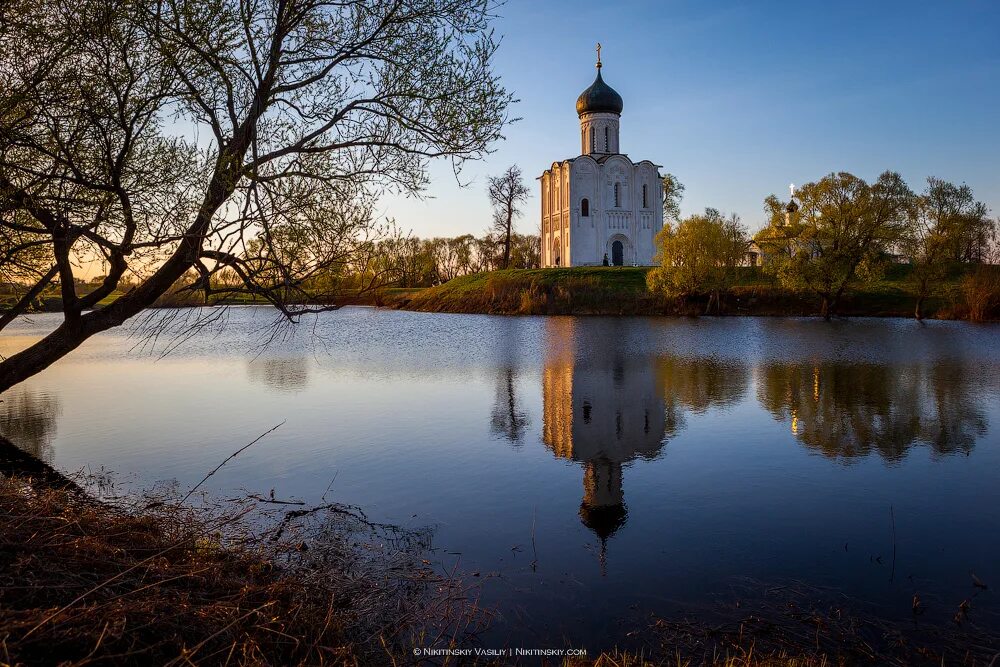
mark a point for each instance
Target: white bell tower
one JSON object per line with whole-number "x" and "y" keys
{"x": 599, "y": 108}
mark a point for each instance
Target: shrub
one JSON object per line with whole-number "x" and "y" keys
{"x": 981, "y": 294}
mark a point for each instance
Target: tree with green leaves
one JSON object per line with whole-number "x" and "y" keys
{"x": 946, "y": 225}
{"x": 699, "y": 255}
{"x": 838, "y": 236}
{"x": 673, "y": 193}
{"x": 180, "y": 138}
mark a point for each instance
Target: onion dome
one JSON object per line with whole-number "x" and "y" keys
{"x": 599, "y": 98}
{"x": 792, "y": 206}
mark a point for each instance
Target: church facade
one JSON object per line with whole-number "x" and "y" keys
{"x": 600, "y": 207}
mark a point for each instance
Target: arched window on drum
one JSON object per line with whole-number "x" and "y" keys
{"x": 585, "y": 208}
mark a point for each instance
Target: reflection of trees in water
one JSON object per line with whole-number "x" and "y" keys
{"x": 28, "y": 419}
{"x": 699, "y": 384}
{"x": 284, "y": 374}
{"x": 508, "y": 418}
{"x": 850, "y": 410}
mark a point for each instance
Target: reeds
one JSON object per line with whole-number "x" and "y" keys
{"x": 153, "y": 581}
{"x": 981, "y": 294}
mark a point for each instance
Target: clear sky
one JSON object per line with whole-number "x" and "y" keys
{"x": 739, "y": 99}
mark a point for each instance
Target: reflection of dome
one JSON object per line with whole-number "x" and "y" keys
{"x": 600, "y": 97}
{"x": 604, "y": 520}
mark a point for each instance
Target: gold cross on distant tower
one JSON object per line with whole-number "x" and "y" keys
{"x": 598, "y": 55}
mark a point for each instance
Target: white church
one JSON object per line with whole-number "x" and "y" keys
{"x": 600, "y": 207}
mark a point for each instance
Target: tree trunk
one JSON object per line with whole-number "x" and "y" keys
{"x": 921, "y": 296}
{"x": 77, "y": 328}
{"x": 21, "y": 366}
{"x": 825, "y": 309}
{"x": 25, "y": 302}
{"x": 832, "y": 310}
{"x": 506, "y": 243}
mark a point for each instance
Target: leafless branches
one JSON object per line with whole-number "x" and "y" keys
{"x": 507, "y": 194}
{"x": 223, "y": 147}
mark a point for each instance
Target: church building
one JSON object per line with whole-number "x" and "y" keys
{"x": 600, "y": 207}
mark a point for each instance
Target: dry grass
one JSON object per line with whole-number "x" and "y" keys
{"x": 797, "y": 625}
{"x": 981, "y": 294}
{"x": 150, "y": 581}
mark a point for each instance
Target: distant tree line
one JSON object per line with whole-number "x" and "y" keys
{"x": 837, "y": 234}
{"x": 416, "y": 262}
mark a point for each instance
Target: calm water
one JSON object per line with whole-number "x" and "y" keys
{"x": 661, "y": 461}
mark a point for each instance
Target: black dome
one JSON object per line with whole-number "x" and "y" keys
{"x": 600, "y": 97}
{"x": 604, "y": 520}
{"x": 792, "y": 206}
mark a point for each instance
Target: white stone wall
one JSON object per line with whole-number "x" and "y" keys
{"x": 599, "y": 133}
{"x": 619, "y": 208}
{"x": 579, "y": 240}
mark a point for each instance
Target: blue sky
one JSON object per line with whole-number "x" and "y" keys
{"x": 739, "y": 99}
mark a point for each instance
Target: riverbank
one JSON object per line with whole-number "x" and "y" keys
{"x": 152, "y": 580}
{"x": 83, "y": 582}
{"x": 622, "y": 291}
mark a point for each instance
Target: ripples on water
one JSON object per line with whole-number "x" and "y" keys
{"x": 657, "y": 459}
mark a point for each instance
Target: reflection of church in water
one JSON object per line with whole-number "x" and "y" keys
{"x": 603, "y": 409}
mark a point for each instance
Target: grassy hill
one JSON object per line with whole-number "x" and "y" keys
{"x": 622, "y": 291}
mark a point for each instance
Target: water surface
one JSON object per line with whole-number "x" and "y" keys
{"x": 592, "y": 471}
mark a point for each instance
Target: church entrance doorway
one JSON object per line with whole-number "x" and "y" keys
{"x": 617, "y": 254}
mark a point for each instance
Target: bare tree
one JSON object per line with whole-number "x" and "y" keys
{"x": 507, "y": 193}
{"x": 183, "y": 141}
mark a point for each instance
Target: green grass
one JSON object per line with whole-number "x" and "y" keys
{"x": 584, "y": 290}
{"x": 622, "y": 291}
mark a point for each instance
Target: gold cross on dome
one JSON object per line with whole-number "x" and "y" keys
{"x": 598, "y": 54}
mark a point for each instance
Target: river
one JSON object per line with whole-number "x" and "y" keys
{"x": 590, "y": 471}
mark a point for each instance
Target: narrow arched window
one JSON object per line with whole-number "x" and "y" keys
{"x": 606, "y": 142}
{"x": 644, "y": 204}
{"x": 585, "y": 208}
{"x": 593, "y": 140}
{"x": 618, "y": 194}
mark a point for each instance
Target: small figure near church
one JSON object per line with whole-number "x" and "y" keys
{"x": 601, "y": 203}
